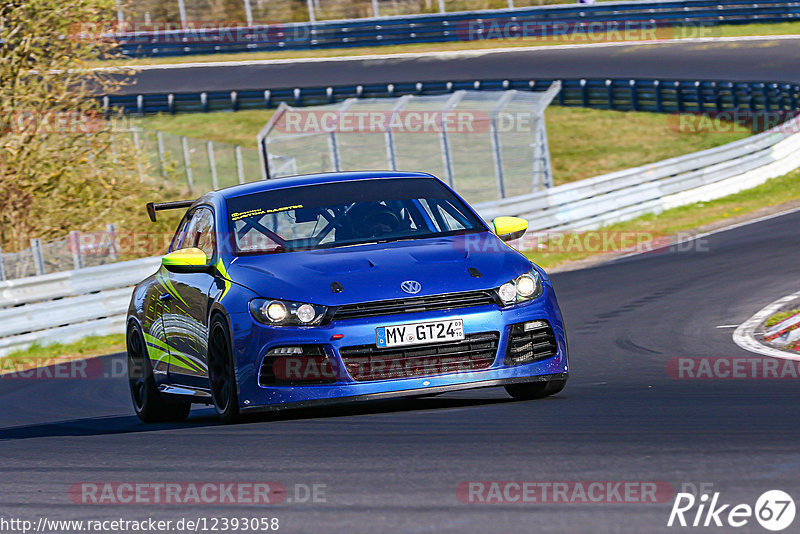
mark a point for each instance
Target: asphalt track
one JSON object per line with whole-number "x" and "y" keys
{"x": 395, "y": 466}
{"x": 740, "y": 60}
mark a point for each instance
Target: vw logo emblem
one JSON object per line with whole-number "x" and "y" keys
{"x": 412, "y": 287}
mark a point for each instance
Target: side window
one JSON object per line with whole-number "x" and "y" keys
{"x": 180, "y": 234}
{"x": 200, "y": 233}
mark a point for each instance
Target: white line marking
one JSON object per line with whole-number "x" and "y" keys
{"x": 727, "y": 326}
{"x": 743, "y": 336}
{"x": 712, "y": 232}
{"x": 449, "y": 54}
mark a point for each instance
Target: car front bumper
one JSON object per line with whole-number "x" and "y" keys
{"x": 252, "y": 342}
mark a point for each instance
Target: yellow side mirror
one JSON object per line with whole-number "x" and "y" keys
{"x": 187, "y": 260}
{"x": 510, "y": 228}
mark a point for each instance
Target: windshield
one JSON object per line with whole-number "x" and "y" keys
{"x": 346, "y": 213}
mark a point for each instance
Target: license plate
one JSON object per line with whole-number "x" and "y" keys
{"x": 419, "y": 333}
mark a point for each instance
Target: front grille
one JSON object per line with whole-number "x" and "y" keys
{"x": 284, "y": 366}
{"x": 530, "y": 342}
{"x": 447, "y": 301}
{"x": 367, "y": 362}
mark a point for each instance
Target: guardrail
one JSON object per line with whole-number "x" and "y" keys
{"x": 624, "y": 195}
{"x": 67, "y": 306}
{"x": 661, "y": 96}
{"x": 548, "y": 22}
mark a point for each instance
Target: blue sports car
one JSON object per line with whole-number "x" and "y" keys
{"x": 338, "y": 287}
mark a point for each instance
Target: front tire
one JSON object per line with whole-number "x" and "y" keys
{"x": 221, "y": 373}
{"x": 148, "y": 403}
{"x": 535, "y": 390}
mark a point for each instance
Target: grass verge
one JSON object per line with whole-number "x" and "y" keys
{"x": 46, "y": 355}
{"x": 782, "y": 28}
{"x": 780, "y": 316}
{"x": 571, "y": 247}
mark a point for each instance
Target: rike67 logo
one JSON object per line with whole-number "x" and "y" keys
{"x": 774, "y": 510}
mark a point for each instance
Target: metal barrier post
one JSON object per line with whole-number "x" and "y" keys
{"x": 187, "y": 164}
{"x": 75, "y": 246}
{"x": 441, "y": 7}
{"x": 2, "y": 267}
{"x": 659, "y": 100}
{"x": 375, "y": 12}
{"x": 38, "y": 256}
{"x": 239, "y": 163}
{"x": 212, "y": 163}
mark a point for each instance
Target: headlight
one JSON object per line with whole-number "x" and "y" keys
{"x": 285, "y": 313}
{"x": 525, "y": 287}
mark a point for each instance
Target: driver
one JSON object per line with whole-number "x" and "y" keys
{"x": 372, "y": 220}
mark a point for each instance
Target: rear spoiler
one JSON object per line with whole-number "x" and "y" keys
{"x": 152, "y": 207}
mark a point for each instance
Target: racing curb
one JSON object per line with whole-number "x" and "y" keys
{"x": 747, "y": 334}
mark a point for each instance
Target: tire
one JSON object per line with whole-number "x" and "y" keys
{"x": 535, "y": 390}
{"x": 221, "y": 373}
{"x": 148, "y": 403}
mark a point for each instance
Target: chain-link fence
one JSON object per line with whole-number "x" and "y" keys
{"x": 196, "y": 165}
{"x": 76, "y": 251}
{"x": 193, "y": 13}
{"x": 487, "y": 145}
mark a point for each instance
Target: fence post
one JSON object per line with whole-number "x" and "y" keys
{"x": 447, "y": 160}
{"x": 212, "y": 163}
{"x": 248, "y": 12}
{"x": 138, "y": 154}
{"x": 375, "y": 12}
{"x": 311, "y": 17}
{"x": 239, "y": 163}
{"x": 75, "y": 246}
{"x": 120, "y": 17}
{"x": 182, "y": 11}
{"x": 38, "y": 256}
{"x": 333, "y": 150}
{"x": 161, "y": 156}
{"x": 497, "y": 154}
{"x": 391, "y": 152}
{"x": 542, "y": 169}
{"x": 187, "y": 164}
{"x": 610, "y": 87}
{"x": 111, "y": 229}
{"x": 510, "y": 4}
{"x": 2, "y": 267}
{"x": 441, "y": 7}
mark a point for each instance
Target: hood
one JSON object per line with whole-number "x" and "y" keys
{"x": 375, "y": 272}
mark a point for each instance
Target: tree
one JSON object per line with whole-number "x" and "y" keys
{"x": 61, "y": 166}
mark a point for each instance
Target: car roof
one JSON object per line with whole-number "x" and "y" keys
{"x": 313, "y": 179}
